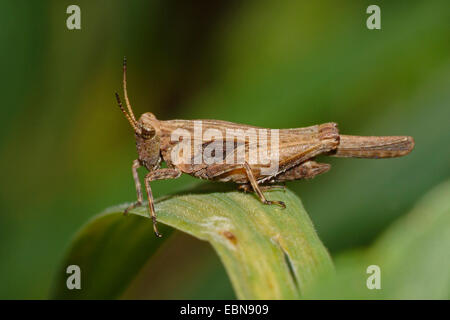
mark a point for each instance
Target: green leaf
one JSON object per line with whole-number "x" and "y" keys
{"x": 268, "y": 252}
{"x": 415, "y": 251}
{"x": 413, "y": 256}
{"x": 110, "y": 250}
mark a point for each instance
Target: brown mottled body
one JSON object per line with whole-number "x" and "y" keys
{"x": 297, "y": 149}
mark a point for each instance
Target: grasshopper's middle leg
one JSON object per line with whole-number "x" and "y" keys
{"x": 136, "y": 165}
{"x": 256, "y": 188}
{"x": 159, "y": 174}
{"x": 248, "y": 187}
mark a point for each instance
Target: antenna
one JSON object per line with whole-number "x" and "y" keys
{"x": 133, "y": 123}
{"x": 130, "y": 110}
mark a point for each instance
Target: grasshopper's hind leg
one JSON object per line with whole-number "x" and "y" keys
{"x": 134, "y": 167}
{"x": 306, "y": 170}
{"x": 257, "y": 189}
{"x": 160, "y": 174}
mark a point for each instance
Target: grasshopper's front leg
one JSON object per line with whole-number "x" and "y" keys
{"x": 159, "y": 174}
{"x": 136, "y": 165}
{"x": 256, "y": 188}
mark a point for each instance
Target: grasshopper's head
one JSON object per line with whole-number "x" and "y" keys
{"x": 147, "y": 141}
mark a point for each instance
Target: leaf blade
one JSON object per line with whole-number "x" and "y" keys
{"x": 268, "y": 252}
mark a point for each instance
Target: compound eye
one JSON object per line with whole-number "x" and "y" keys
{"x": 147, "y": 132}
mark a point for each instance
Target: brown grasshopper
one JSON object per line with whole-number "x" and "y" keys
{"x": 295, "y": 150}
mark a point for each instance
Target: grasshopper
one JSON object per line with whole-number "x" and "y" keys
{"x": 296, "y": 151}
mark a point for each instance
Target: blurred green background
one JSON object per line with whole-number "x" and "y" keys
{"x": 66, "y": 150}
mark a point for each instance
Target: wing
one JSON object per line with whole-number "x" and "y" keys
{"x": 213, "y": 149}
